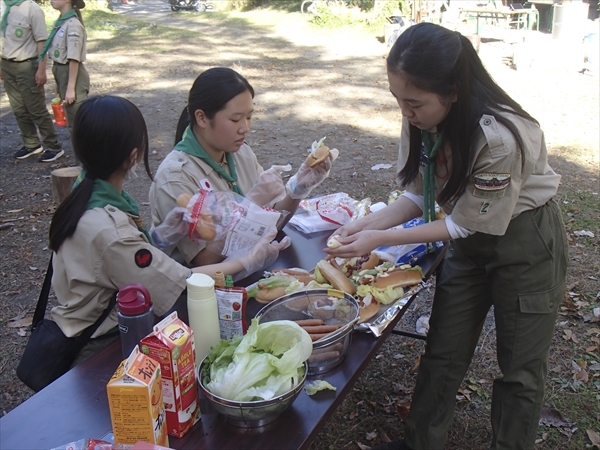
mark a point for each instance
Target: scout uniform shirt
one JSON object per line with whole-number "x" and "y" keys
{"x": 182, "y": 173}
{"x": 497, "y": 190}
{"x": 25, "y": 27}
{"x": 69, "y": 42}
{"x": 106, "y": 253}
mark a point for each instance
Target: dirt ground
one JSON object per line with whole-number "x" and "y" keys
{"x": 309, "y": 84}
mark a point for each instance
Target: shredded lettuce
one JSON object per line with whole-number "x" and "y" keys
{"x": 318, "y": 385}
{"x": 266, "y": 362}
{"x": 384, "y": 296}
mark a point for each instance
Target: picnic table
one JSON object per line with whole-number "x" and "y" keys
{"x": 76, "y": 406}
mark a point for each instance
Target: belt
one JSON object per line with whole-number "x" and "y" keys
{"x": 15, "y": 61}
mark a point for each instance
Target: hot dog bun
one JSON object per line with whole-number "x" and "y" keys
{"x": 205, "y": 227}
{"x": 268, "y": 295}
{"x": 336, "y": 277}
{"x": 397, "y": 278}
{"x": 317, "y": 156}
{"x": 370, "y": 263}
{"x": 366, "y": 312}
{"x": 332, "y": 242}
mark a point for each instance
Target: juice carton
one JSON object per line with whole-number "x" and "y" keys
{"x": 137, "y": 411}
{"x": 172, "y": 345}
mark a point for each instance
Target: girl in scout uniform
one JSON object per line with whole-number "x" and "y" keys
{"x": 469, "y": 146}
{"x": 211, "y": 153}
{"x": 66, "y": 47}
{"x": 96, "y": 234}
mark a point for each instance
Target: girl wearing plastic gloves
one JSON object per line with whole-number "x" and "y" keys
{"x": 469, "y": 146}
{"x": 211, "y": 154}
{"x": 109, "y": 139}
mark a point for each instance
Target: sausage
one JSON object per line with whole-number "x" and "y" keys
{"x": 323, "y": 356}
{"x": 309, "y": 322}
{"x": 316, "y": 337}
{"x": 321, "y": 329}
{"x": 337, "y": 346}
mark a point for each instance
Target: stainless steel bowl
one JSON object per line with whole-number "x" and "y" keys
{"x": 250, "y": 414}
{"x": 342, "y": 309}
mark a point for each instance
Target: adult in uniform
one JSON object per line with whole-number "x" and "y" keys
{"x": 67, "y": 50}
{"x": 468, "y": 145}
{"x": 24, "y": 33}
{"x": 211, "y": 154}
{"x": 96, "y": 234}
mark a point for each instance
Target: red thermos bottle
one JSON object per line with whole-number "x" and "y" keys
{"x": 59, "y": 113}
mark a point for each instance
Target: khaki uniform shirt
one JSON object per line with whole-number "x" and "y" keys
{"x": 497, "y": 190}
{"x": 24, "y": 29}
{"x": 69, "y": 42}
{"x": 182, "y": 173}
{"x": 106, "y": 253}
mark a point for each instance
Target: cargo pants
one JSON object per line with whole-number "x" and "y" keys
{"x": 28, "y": 104}
{"x": 520, "y": 274}
{"x": 82, "y": 88}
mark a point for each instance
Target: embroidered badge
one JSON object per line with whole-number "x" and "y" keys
{"x": 206, "y": 185}
{"x": 19, "y": 32}
{"x": 56, "y": 53}
{"x": 485, "y": 207}
{"x": 490, "y": 185}
{"x": 143, "y": 258}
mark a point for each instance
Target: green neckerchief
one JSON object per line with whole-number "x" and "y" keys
{"x": 190, "y": 145}
{"x": 63, "y": 17}
{"x": 431, "y": 150}
{"x": 9, "y": 4}
{"x": 104, "y": 193}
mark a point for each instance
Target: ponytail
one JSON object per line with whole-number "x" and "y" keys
{"x": 184, "y": 121}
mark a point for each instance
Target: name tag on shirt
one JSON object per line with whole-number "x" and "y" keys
{"x": 61, "y": 32}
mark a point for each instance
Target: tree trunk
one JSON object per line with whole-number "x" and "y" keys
{"x": 62, "y": 182}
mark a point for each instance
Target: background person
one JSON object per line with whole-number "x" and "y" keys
{"x": 66, "y": 47}
{"x": 468, "y": 145}
{"x": 211, "y": 153}
{"x": 24, "y": 33}
{"x": 109, "y": 139}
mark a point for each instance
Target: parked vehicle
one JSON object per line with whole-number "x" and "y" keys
{"x": 190, "y": 5}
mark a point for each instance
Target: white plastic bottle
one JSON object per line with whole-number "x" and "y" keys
{"x": 203, "y": 313}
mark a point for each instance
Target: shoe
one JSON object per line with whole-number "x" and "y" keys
{"x": 49, "y": 155}
{"x": 25, "y": 152}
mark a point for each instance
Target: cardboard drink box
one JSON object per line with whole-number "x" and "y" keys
{"x": 172, "y": 345}
{"x": 137, "y": 411}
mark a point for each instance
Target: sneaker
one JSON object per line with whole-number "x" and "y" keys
{"x": 25, "y": 152}
{"x": 49, "y": 155}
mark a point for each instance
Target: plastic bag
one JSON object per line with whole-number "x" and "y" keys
{"x": 225, "y": 221}
{"x": 324, "y": 213}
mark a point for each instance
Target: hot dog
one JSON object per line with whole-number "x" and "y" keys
{"x": 335, "y": 277}
{"x": 318, "y": 154}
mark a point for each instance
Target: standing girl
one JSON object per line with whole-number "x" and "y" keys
{"x": 469, "y": 146}
{"x": 66, "y": 47}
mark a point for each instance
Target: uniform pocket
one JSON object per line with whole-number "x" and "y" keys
{"x": 544, "y": 302}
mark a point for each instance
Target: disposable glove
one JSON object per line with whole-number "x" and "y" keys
{"x": 171, "y": 230}
{"x": 308, "y": 178}
{"x": 263, "y": 254}
{"x": 269, "y": 188}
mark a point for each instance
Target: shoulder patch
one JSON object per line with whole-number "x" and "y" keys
{"x": 490, "y": 185}
{"x": 143, "y": 258}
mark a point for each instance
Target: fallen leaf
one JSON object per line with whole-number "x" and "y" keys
{"x": 582, "y": 376}
{"x": 22, "y": 332}
{"x": 415, "y": 367}
{"x": 24, "y": 322}
{"x": 363, "y": 447}
{"x": 552, "y": 418}
{"x": 14, "y": 210}
{"x": 19, "y": 316}
{"x": 402, "y": 409}
{"x": 384, "y": 437}
{"x": 593, "y": 437}
{"x": 371, "y": 435}
{"x": 352, "y": 415}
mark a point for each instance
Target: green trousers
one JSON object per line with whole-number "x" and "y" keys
{"x": 82, "y": 89}
{"x": 28, "y": 104}
{"x": 520, "y": 274}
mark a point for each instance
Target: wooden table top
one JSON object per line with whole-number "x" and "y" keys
{"x": 76, "y": 406}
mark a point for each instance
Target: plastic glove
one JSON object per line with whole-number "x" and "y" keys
{"x": 263, "y": 254}
{"x": 307, "y": 178}
{"x": 171, "y": 231}
{"x": 269, "y": 188}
